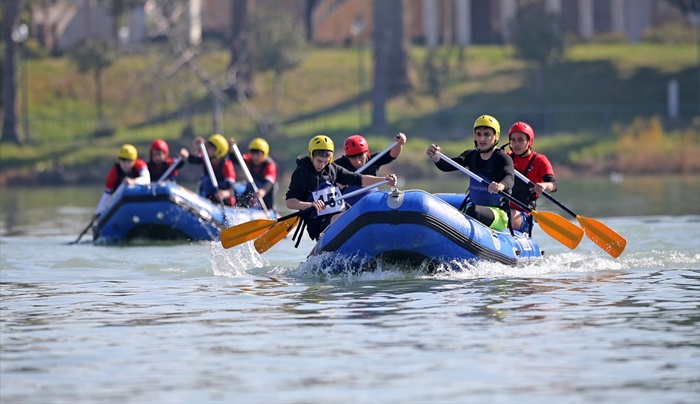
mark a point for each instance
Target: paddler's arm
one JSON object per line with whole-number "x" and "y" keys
{"x": 296, "y": 204}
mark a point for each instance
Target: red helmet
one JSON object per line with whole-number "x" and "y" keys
{"x": 524, "y": 128}
{"x": 355, "y": 144}
{"x": 160, "y": 144}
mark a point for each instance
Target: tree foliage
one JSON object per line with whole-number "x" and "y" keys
{"x": 280, "y": 46}
{"x": 94, "y": 55}
{"x": 240, "y": 69}
{"x": 537, "y": 35}
{"x": 398, "y": 65}
{"x": 280, "y": 40}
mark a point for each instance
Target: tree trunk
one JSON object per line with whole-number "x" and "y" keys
{"x": 398, "y": 68}
{"x": 241, "y": 64}
{"x": 379, "y": 90}
{"x": 9, "y": 74}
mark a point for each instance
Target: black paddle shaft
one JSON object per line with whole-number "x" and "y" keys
{"x": 84, "y": 231}
{"x": 483, "y": 181}
{"x": 526, "y": 180}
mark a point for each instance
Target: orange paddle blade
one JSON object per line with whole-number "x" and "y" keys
{"x": 559, "y": 228}
{"x": 607, "y": 239}
{"x": 243, "y": 232}
{"x": 275, "y": 234}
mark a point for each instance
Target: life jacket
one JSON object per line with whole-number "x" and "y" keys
{"x": 157, "y": 170}
{"x": 206, "y": 187}
{"x": 522, "y": 190}
{"x": 369, "y": 170}
{"x": 116, "y": 175}
{"x": 478, "y": 193}
{"x": 325, "y": 190}
{"x": 258, "y": 174}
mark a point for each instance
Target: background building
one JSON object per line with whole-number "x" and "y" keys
{"x": 60, "y": 24}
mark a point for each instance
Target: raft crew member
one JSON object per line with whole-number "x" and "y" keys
{"x": 314, "y": 182}
{"x": 490, "y": 163}
{"x": 128, "y": 169}
{"x": 225, "y": 174}
{"x": 357, "y": 155}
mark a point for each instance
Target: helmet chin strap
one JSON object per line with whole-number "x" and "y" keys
{"x": 493, "y": 146}
{"x": 524, "y": 154}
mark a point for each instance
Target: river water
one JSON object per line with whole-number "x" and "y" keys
{"x": 194, "y": 323}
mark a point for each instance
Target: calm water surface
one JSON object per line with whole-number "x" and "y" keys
{"x": 194, "y": 323}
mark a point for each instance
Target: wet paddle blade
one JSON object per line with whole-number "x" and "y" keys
{"x": 243, "y": 232}
{"x": 559, "y": 228}
{"x": 275, "y": 234}
{"x": 603, "y": 236}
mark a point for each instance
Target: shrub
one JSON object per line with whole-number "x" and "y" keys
{"x": 610, "y": 37}
{"x": 644, "y": 147}
{"x": 671, "y": 33}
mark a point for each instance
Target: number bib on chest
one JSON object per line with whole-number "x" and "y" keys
{"x": 326, "y": 194}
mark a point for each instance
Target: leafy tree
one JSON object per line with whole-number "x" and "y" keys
{"x": 397, "y": 53}
{"x": 381, "y": 11}
{"x": 240, "y": 68}
{"x": 537, "y": 38}
{"x": 280, "y": 46}
{"x": 94, "y": 55}
{"x": 391, "y": 57}
{"x": 435, "y": 74}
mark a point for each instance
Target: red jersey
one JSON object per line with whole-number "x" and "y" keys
{"x": 537, "y": 168}
{"x": 265, "y": 171}
{"x": 157, "y": 170}
{"x": 116, "y": 175}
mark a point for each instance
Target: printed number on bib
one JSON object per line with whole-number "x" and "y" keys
{"x": 329, "y": 196}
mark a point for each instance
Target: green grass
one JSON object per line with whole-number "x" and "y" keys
{"x": 324, "y": 96}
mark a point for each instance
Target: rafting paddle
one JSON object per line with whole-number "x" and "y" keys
{"x": 376, "y": 157}
{"x": 248, "y": 231}
{"x": 117, "y": 191}
{"x": 251, "y": 230}
{"x": 603, "y": 236}
{"x": 207, "y": 163}
{"x": 275, "y": 234}
{"x": 212, "y": 177}
{"x": 249, "y": 178}
{"x": 280, "y": 230}
{"x": 77, "y": 240}
{"x": 556, "y": 226}
{"x": 170, "y": 169}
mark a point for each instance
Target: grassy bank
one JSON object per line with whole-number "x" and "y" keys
{"x": 594, "y": 105}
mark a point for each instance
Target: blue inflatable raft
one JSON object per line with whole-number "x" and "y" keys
{"x": 165, "y": 211}
{"x": 415, "y": 228}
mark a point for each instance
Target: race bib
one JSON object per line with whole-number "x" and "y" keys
{"x": 329, "y": 196}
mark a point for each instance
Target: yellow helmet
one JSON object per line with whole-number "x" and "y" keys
{"x": 128, "y": 152}
{"x": 489, "y": 122}
{"x": 321, "y": 142}
{"x": 220, "y": 144}
{"x": 260, "y": 144}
